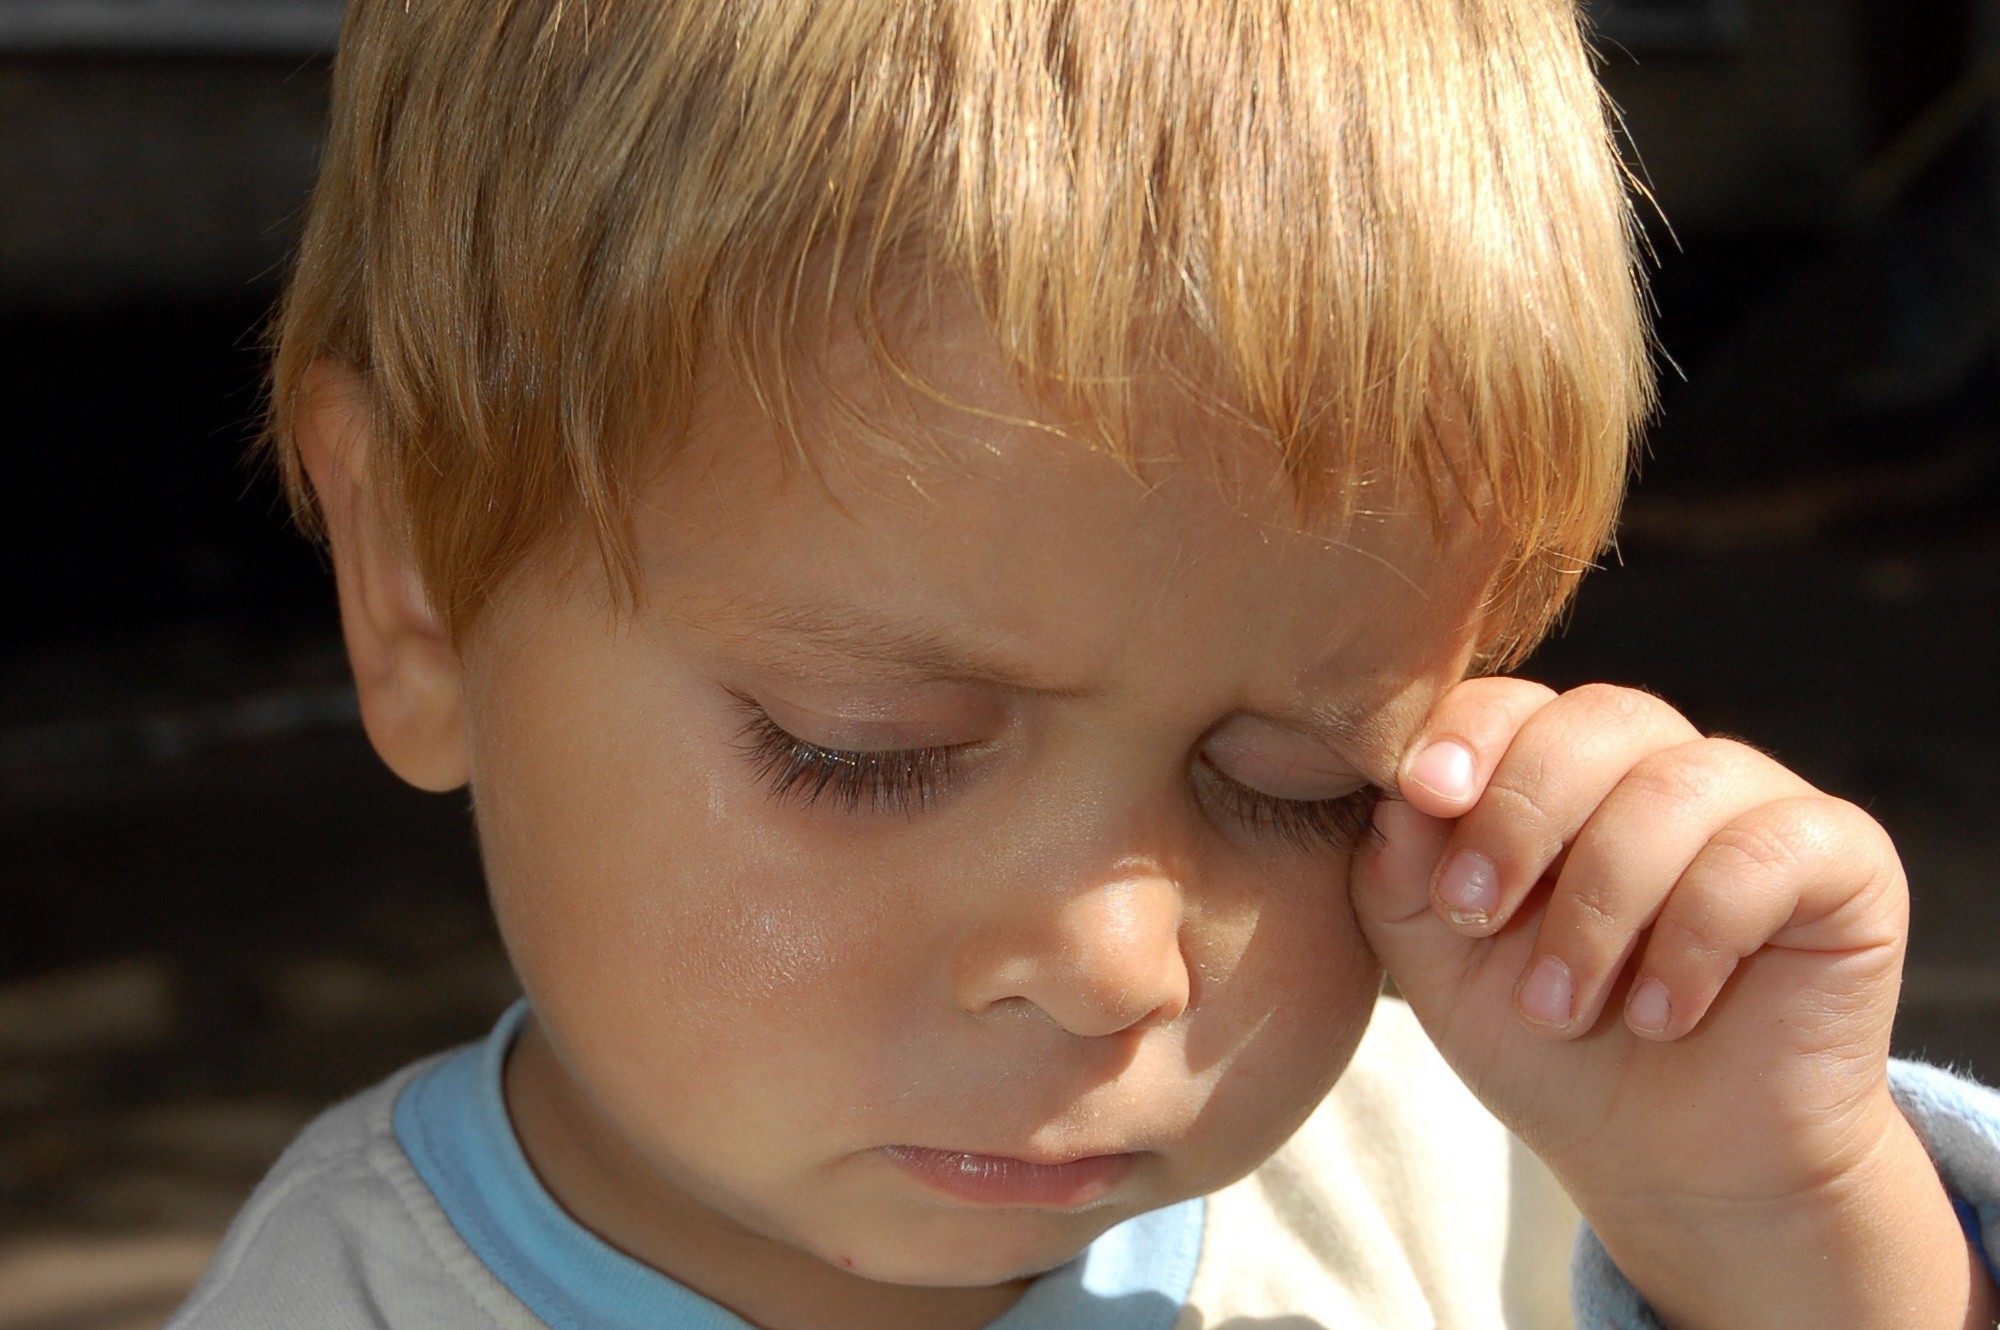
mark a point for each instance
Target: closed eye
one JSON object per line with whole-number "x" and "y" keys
{"x": 1303, "y": 824}
{"x": 892, "y": 780}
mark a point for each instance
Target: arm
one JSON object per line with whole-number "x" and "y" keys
{"x": 1958, "y": 1123}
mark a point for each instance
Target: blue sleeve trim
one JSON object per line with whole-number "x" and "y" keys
{"x": 1600, "y": 1297}
{"x": 1958, "y": 1121}
{"x": 1968, "y": 1219}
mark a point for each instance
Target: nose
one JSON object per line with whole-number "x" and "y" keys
{"x": 1100, "y": 961}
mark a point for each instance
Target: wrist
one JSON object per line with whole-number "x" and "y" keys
{"x": 1876, "y": 1245}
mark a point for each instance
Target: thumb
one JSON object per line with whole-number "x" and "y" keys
{"x": 1390, "y": 885}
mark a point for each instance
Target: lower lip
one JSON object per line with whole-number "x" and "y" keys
{"x": 997, "y": 1180}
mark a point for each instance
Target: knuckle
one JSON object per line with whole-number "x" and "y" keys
{"x": 1616, "y": 704}
{"x": 1689, "y": 773}
{"x": 1489, "y": 708}
{"x": 1732, "y": 754}
{"x": 1759, "y": 848}
{"x": 1833, "y": 816}
{"x": 1819, "y": 827}
{"x": 1522, "y": 690}
{"x": 1592, "y": 910}
{"x": 1523, "y": 801}
{"x": 1670, "y": 780}
{"x": 1739, "y": 742}
{"x": 1698, "y": 932}
{"x": 1844, "y": 828}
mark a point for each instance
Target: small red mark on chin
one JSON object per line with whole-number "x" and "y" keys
{"x": 847, "y": 1262}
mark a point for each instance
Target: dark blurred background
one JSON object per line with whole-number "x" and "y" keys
{"x": 217, "y": 913}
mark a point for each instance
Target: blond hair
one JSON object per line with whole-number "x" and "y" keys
{"x": 539, "y": 220}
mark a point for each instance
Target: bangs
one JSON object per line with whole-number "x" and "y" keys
{"x": 1389, "y": 239}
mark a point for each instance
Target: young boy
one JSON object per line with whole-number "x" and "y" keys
{"x": 960, "y": 548}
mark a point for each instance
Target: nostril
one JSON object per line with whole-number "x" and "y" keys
{"x": 1174, "y": 1001}
{"x": 1096, "y": 962}
{"x": 1118, "y": 989}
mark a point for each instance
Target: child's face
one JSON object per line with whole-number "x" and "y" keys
{"x": 1104, "y": 913}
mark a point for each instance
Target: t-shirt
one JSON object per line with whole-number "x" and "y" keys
{"x": 1400, "y": 1203}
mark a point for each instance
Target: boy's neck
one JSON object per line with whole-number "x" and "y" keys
{"x": 602, "y": 1183}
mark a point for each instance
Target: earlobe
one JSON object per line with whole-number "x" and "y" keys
{"x": 406, "y": 669}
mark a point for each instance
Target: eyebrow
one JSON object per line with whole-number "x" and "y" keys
{"x": 807, "y": 634}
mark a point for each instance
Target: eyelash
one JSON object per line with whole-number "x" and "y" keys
{"x": 909, "y": 780}
{"x": 1303, "y": 824}
{"x": 894, "y": 780}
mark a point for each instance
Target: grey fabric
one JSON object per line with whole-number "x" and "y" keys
{"x": 343, "y": 1235}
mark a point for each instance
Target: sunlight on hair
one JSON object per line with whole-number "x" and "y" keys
{"x": 542, "y": 221}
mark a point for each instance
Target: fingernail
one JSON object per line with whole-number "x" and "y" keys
{"x": 1649, "y": 1008}
{"x": 1547, "y": 993}
{"x": 1469, "y": 889}
{"x": 1445, "y": 769}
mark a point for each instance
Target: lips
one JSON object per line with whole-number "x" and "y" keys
{"x": 1001, "y": 1181}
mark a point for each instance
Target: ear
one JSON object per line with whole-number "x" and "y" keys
{"x": 407, "y": 672}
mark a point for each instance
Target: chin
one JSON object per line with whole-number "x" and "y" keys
{"x": 973, "y": 1250}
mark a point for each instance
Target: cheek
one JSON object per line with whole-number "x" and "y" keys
{"x": 1290, "y": 985}
{"x": 653, "y": 908}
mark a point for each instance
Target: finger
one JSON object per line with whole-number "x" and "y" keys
{"x": 1449, "y": 762}
{"x": 1811, "y": 873}
{"x": 1623, "y": 864}
{"x": 1389, "y": 884}
{"x": 1566, "y": 758}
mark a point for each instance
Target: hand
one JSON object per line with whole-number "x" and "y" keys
{"x": 1670, "y": 966}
